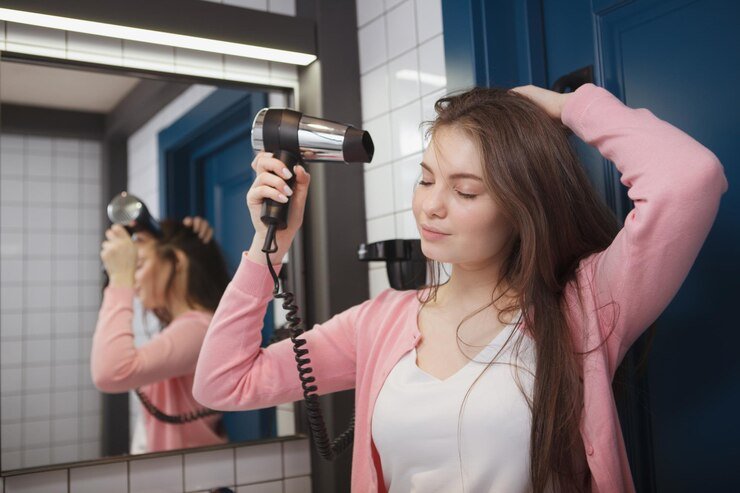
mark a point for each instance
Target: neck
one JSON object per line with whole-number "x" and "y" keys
{"x": 474, "y": 286}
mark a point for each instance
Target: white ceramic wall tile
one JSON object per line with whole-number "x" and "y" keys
{"x": 38, "y": 324}
{"x": 160, "y": 475}
{"x": 403, "y": 73}
{"x": 65, "y": 453}
{"x": 12, "y": 324}
{"x": 372, "y": 45}
{"x": 67, "y": 166}
{"x": 38, "y": 145}
{"x": 11, "y": 353}
{"x": 389, "y": 4}
{"x": 405, "y": 130}
{"x": 432, "y": 74}
{"x": 428, "y": 113}
{"x": 285, "y": 421}
{"x": 12, "y": 217}
{"x": 66, "y": 350}
{"x": 382, "y": 228}
{"x": 11, "y": 164}
{"x": 10, "y": 378}
{"x": 65, "y": 429}
{"x": 11, "y": 436}
{"x": 368, "y": 10}
{"x": 66, "y": 376}
{"x": 90, "y": 401}
{"x": 249, "y": 4}
{"x": 378, "y": 281}
{"x": 11, "y": 460}
{"x": 378, "y": 195}
{"x": 35, "y": 40}
{"x": 271, "y": 487}
{"x": 38, "y": 218}
{"x": 284, "y": 7}
{"x": 380, "y": 130}
{"x": 37, "y": 456}
{"x": 38, "y": 191}
{"x": 67, "y": 271}
{"x": 39, "y": 165}
{"x": 12, "y": 142}
{"x": 258, "y": 463}
{"x": 37, "y": 351}
{"x": 298, "y": 485}
{"x": 401, "y": 28}
{"x": 66, "y": 403}
{"x": 111, "y": 478}
{"x": 66, "y": 146}
{"x": 67, "y": 192}
{"x": 11, "y": 190}
{"x": 209, "y": 470}
{"x": 428, "y": 18}
{"x": 11, "y": 297}
{"x": 11, "y": 411}
{"x": 90, "y": 425}
{"x": 11, "y": 271}
{"x": 38, "y": 379}
{"x": 35, "y": 433}
{"x": 90, "y": 168}
{"x": 42, "y": 482}
{"x": 296, "y": 458}
{"x": 406, "y": 174}
{"x": 375, "y": 93}
{"x": 97, "y": 49}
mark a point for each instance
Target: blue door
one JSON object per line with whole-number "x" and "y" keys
{"x": 679, "y": 58}
{"x": 206, "y": 171}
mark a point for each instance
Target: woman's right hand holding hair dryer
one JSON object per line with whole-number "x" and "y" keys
{"x": 270, "y": 183}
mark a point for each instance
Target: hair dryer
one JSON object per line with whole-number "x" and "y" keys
{"x": 294, "y": 138}
{"x": 129, "y": 211}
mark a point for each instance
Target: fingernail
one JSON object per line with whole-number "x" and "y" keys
{"x": 287, "y": 173}
{"x": 282, "y": 198}
{"x": 287, "y": 190}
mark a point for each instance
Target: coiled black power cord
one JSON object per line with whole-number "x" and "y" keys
{"x": 176, "y": 419}
{"x": 328, "y": 449}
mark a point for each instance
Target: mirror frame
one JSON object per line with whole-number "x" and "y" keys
{"x": 112, "y": 184}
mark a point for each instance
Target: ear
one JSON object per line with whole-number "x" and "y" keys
{"x": 182, "y": 261}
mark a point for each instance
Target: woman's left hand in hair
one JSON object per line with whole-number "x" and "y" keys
{"x": 118, "y": 254}
{"x": 550, "y": 101}
{"x": 200, "y": 227}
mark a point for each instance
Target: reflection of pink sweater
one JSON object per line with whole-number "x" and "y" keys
{"x": 675, "y": 184}
{"x": 163, "y": 368}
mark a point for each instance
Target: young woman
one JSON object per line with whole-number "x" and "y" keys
{"x": 499, "y": 379}
{"x": 180, "y": 277}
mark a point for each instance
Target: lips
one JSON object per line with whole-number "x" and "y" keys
{"x": 433, "y": 230}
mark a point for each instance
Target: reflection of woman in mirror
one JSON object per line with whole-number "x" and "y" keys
{"x": 499, "y": 379}
{"x": 180, "y": 277}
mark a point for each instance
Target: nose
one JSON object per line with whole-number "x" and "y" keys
{"x": 433, "y": 203}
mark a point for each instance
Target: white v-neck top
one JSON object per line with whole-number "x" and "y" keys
{"x": 416, "y": 417}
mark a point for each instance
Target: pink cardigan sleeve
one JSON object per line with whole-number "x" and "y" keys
{"x": 117, "y": 365}
{"x": 235, "y": 373}
{"x": 675, "y": 184}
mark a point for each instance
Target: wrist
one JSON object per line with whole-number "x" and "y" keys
{"x": 121, "y": 280}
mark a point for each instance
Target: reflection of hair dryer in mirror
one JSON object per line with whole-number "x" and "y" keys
{"x": 294, "y": 138}
{"x": 131, "y": 212}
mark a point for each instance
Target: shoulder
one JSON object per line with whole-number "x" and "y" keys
{"x": 191, "y": 320}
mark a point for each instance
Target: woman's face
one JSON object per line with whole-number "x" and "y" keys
{"x": 150, "y": 279}
{"x": 458, "y": 220}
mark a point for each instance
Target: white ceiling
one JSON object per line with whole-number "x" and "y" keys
{"x": 61, "y": 88}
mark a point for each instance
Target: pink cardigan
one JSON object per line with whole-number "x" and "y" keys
{"x": 163, "y": 368}
{"x": 676, "y": 186}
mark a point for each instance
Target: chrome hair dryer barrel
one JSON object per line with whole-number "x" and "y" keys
{"x": 293, "y": 138}
{"x": 129, "y": 211}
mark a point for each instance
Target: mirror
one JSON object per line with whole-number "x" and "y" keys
{"x": 68, "y": 136}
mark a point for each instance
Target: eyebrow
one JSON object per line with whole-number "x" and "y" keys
{"x": 455, "y": 176}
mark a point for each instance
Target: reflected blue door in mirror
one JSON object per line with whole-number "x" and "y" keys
{"x": 205, "y": 170}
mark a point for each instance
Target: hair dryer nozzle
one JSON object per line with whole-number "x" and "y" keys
{"x": 129, "y": 211}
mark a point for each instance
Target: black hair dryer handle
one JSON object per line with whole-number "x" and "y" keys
{"x": 276, "y": 212}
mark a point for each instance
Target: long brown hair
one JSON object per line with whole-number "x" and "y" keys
{"x": 532, "y": 172}
{"x": 207, "y": 273}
